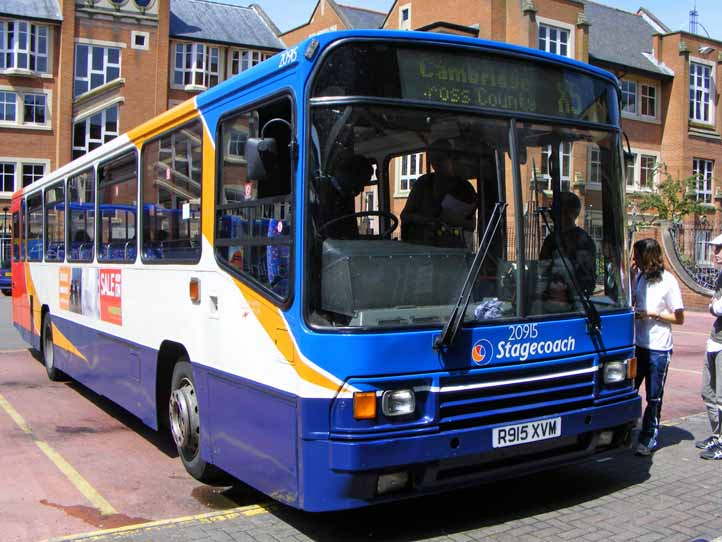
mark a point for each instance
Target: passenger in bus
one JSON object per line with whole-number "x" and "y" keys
{"x": 442, "y": 204}
{"x": 338, "y": 197}
{"x": 577, "y": 247}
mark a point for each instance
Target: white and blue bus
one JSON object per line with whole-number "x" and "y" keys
{"x": 190, "y": 270}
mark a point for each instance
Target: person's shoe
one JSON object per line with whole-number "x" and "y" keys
{"x": 706, "y": 443}
{"x": 713, "y": 452}
{"x": 643, "y": 450}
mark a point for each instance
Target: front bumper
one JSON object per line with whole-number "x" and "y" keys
{"x": 342, "y": 474}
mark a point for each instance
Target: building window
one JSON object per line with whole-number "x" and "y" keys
{"x": 90, "y": 133}
{"x": 410, "y": 169}
{"x": 20, "y": 108}
{"x": 196, "y": 65}
{"x": 565, "y": 159}
{"x": 8, "y": 106}
{"x": 702, "y": 171}
{"x": 648, "y": 101}
{"x": 629, "y": 96}
{"x": 32, "y": 173}
{"x": 595, "y": 165}
{"x": 700, "y": 92}
{"x": 405, "y": 17}
{"x": 94, "y": 67}
{"x": 7, "y": 177}
{"x": 641, "y": 171}
{"x": 34, "y": 112}
{"x": 23, "y": 46}
{"x": 242, "y": 60}
{"x": 553, "y": 39}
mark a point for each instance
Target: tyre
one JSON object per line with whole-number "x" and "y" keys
{"x": 47, "y": 349}
{"x": 7, "y": 291}
{"x": 185, "y": 426}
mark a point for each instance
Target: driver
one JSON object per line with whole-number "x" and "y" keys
{"x": 337, "y": 197}
{"x": 441, "y": 204}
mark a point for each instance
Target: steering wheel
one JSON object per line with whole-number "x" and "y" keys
{"x": 386, "y": 233}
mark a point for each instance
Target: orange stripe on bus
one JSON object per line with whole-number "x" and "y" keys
{"x": 63, "y": 342}
{"x": 270, "y": 318}
{"x": 180, "y": 114}
{"x": 208, "y": 182}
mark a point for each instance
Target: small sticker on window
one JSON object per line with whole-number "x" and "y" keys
{"x": 186, "y": 211}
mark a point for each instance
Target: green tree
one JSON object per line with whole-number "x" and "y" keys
{"x": 672, "y": 199}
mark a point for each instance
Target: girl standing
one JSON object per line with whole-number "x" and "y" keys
{"x": 658, "y": 305}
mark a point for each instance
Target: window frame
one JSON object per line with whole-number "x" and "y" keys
{"x": 86, "y": 119}
{"x": 87, "y": 77}
{"x": 556, "y": 25}
{"x": 639, "y": 97}
{"x": 98, "y": 212}
{"x": 19, "y": 163}
{"x": 637, "y": 167}
{"x": 239, "y": 51}
{"x": 20, "y": 120}
{"x": 405, "y": 25}
{"x": 141, "y": 202}
{"x": 399, "y": 190}
{"x": 712, "y": 92}
{"x": 41, "y": 194}
{"x": 707, "y": 179}
{"x": 68, "y": 220}
{"x": 205, "y": 72}
{"x": 34, "y": 33}
{"x": 281, "y": 302}
{"x": 46, "y": 238}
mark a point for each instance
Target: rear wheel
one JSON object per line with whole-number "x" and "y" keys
{"x": 7, "y": 291}
{"x": 47, "y": 349}
{"x": 185, "y": 425}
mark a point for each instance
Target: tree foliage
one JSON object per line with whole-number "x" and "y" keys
{"x": 672, "y": 199}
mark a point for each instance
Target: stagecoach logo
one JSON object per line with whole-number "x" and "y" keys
{"x": 482, "y": 352}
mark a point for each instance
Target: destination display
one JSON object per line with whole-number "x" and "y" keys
{"x": 488, "y": 80}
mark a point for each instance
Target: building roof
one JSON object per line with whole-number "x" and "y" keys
{"x": 360, "y": 18}
{"x": 622, "y": 38}
{"x": 33, "y": 9}
{"x": 212, "y": 21}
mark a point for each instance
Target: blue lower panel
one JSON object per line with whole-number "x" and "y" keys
{"x": 252, "y": 432}
{"x": 340, "y": 474}
{"x": 122, "y": 371}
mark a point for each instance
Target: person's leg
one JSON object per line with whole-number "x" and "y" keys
{"x": 658, "y": 365}
{"x": 642, "y": 355}
{"x": 709, "y": 391}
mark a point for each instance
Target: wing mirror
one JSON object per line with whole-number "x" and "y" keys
{"x": 256, "y": 149}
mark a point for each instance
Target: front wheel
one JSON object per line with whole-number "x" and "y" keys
{"x": 185, "y": 425}
{"x": 48, "y": 350}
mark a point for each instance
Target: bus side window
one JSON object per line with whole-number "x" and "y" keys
{"x": 117, "y": 205}
{"x": 16, "y": 237}
{"x": 253, "y": 216}
{"x": 35, "y": 227}
{"x": 55, "y": 223}
{"x": 81, "y": 216}
{"x": 172, "y": 171}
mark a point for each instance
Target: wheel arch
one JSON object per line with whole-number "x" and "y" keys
{"x": 169, "y": 354}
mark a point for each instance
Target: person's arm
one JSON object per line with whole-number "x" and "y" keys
{"x": 715, "y": 305}
{"x": 412, "y": 210}
{"x": 676, "y": 317}
{"x": 673, "y": 313}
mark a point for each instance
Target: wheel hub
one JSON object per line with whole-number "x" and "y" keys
{"x": 184, "y": 423}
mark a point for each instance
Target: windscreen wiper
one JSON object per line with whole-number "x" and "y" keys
{"x": 594, "y": 322}
{"x": 456, "y": 318}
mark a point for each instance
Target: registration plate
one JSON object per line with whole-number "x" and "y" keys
{"x": 8, "y": 273}
{"x": 521, "y": 433}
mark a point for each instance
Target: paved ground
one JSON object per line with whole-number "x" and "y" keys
{"x": 67, "y": 455}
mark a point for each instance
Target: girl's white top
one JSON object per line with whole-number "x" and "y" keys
{"x": 657, "y": 297}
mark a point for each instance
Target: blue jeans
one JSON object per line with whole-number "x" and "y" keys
{"x": 652, "y": 368}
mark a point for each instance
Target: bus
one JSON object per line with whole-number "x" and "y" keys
{"x": 188, "y": 270}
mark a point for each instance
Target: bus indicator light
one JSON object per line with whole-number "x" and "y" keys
{"x": 194, "y": 290}
{"x": 364, "y": 405}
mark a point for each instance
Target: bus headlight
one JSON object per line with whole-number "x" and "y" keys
{"x": 398, "y": 402}
{"x": 615, "y": 371}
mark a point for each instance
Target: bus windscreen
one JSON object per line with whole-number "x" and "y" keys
{"x": 473, "y": 79}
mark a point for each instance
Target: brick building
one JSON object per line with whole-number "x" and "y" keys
{"x": 76, "y": 73}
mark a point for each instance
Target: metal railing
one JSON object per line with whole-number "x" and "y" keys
{"x": 693, "y": 251}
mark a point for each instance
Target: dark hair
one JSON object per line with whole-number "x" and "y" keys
{"x": 648, "y": 254}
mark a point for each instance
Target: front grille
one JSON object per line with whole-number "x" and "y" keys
{"x": 516, "y": 393}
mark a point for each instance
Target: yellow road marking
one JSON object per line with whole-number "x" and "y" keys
{"x": 209, "y": 517}
{"x": 685, "y": 371}
{"x": 15, "y": 351}
{"x": 75, "y": 478}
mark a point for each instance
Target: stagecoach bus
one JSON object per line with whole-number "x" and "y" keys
{"x": 189, "y": 271}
